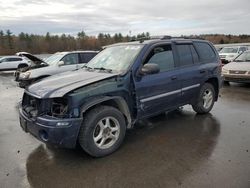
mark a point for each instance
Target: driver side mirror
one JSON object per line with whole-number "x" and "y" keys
{"x": 151, "y": 68}
{"x": 60, "y": 63}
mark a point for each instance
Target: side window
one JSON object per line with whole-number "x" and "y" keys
{"x": 2, "y": 60}
{"x": 242, "y": 49}
{"x": 70, "y": 59}
{"x": 194, "y": 54}
{"x": 162, "y": 56}
{"x": 205, "y": 51}
{"x": 185, "y": 54}
{"x": 16, "y": 59}
{"x": 86, "y": 57}
{"x": 12, "y": 59}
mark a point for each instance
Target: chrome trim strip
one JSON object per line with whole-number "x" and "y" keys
{"x": 160, "y": 96}
{"x": 190, "y": 87}
{"x": 169, "y": 93}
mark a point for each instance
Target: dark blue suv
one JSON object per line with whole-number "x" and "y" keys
{"x": 124, "y": 83}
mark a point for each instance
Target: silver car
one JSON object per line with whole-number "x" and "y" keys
{"x": 228, "y": 54}
{"x": 56, "y": 63}
{"x": 238, "y": 70}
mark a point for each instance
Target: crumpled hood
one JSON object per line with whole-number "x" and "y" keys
{"x": 244, "y": 66}
{"x": 60, "y": 84}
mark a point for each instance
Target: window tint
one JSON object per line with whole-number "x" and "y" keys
{"x": 70, "y": 59}
{"x": 163, "y": 56}
{"x": 86, "y": 57}
{"x": 185, "y": 54}
{"x": 205, "y": 51}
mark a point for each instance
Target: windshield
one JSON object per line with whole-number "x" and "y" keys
{"x": 229, "y": 50}
{"x": 115, "y": 58}
{"x": 243, "y": 57}
{"x": 54, "y": 59}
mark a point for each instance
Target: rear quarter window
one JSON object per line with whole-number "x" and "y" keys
{"x": 205, "y": 52}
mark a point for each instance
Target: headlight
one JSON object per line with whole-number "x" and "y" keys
{"x": 225, "y": 71}
{"x": 25, "y": 75}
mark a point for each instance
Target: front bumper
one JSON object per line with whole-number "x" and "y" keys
{"x": 237, "y": 78}
{"x": 46, "y": 130}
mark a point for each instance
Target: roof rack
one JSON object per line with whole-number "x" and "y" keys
{"x": 164, "y": 37}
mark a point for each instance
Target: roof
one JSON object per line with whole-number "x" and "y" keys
{"x": 78, "y": 51}
{"x": 154, "y": 41}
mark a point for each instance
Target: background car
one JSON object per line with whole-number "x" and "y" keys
{"x": 228, "y": 54}
{"x": 239, "y": 70}
{"x": 57, "y": 63}
{"x": 13, "y": 62}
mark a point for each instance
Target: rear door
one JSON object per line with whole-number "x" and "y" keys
{"x": 15, "y": 61}
{"x": 161, "y": 91}
{"x": 193, "y": 68}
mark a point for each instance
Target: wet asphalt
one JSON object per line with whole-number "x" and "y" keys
{"x": 176, "y": 149}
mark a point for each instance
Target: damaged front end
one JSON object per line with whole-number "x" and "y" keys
{"x": 50, "y": 120}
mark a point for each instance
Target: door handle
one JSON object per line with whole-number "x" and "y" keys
{"x": 173, "y": 77}
{"x": 202, "y": 71}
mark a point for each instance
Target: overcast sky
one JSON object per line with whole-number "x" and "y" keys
{"x": 155, "y": 16}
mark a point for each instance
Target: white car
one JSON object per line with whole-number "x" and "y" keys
{"x": 228, "y": 54}
{"x": 57, "y": 63}
{"x": 13, "y": 62}
{"x": 238, "y": 70}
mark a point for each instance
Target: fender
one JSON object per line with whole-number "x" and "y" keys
{"x": 120, "y": 102}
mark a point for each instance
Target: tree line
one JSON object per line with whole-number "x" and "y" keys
{"x": 37, "y": 44}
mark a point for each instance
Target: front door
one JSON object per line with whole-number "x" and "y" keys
{"x": 160, "y": 91}
{"x": 70, "y": 63}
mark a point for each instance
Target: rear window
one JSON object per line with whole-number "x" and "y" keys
{"x": 205, "y": 51}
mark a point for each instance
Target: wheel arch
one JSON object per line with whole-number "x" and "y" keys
{"x": 215, "y": 82}
{"x": 21, "y": 65}
{"x": 116, "y": 102}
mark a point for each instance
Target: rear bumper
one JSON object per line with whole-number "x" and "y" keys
{"x": 46, "y": 129}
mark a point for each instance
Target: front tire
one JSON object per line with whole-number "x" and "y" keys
{"x": 102, "y": 132}
{"x": 205, "y": 101}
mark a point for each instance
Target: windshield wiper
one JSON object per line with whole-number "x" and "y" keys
{"x": 103, "y": 69}
{"x": 86, "y": 67}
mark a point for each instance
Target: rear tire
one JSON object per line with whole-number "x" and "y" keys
{"x": 205, "y": 101}
{"x": 102, "y": 132}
